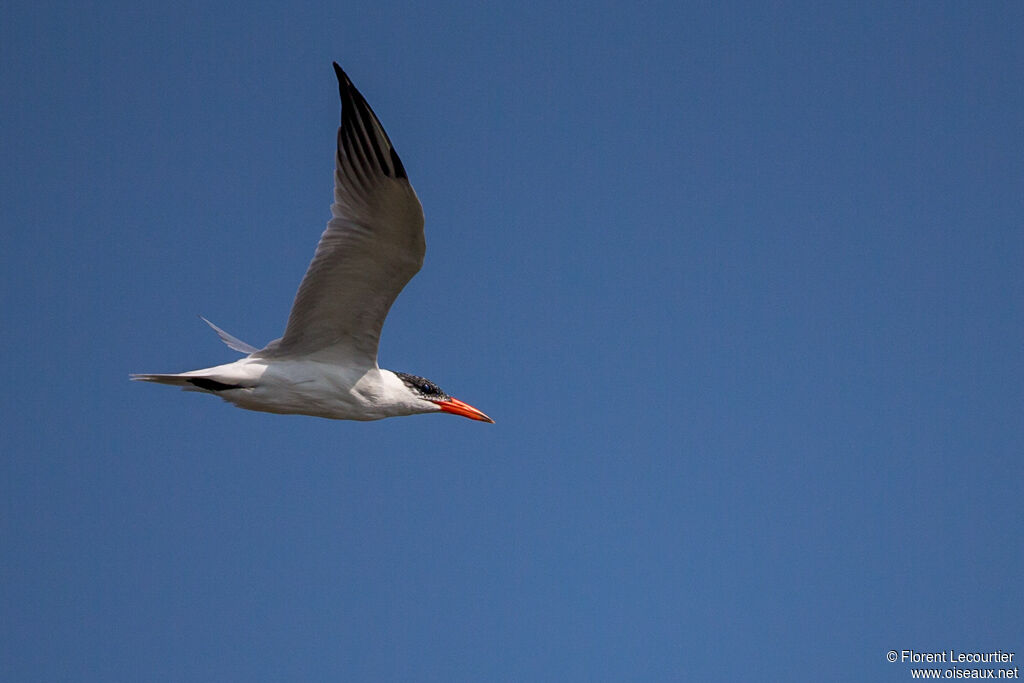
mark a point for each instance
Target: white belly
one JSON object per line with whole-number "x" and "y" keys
{"x": 304, "y": 387}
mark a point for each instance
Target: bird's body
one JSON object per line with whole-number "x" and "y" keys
{"x": 303, "y": 387}
{"x": 325, "y": 365}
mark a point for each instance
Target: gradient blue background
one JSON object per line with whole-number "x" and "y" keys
{"x": 743, "y": 287}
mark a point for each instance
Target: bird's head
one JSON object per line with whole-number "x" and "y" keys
{"x": 425, "y": 390}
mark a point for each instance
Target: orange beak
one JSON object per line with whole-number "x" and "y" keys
{"x": 457, "y": 407}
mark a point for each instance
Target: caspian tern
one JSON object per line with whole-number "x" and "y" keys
{"x": 325, "y": 365}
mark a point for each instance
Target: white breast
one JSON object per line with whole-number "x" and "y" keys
{"x": 325, "y": 390}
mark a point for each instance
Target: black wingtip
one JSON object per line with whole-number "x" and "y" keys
{"x": 345, "y": 86}
{"x": 355, "y": 105}
{"x": 212, "y": 384}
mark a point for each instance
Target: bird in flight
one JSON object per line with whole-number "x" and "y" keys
{"x": 325, "y": 365}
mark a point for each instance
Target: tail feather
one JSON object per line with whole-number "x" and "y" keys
{"x": 188, "y": 383}
{"x": 232, "y": 341}
{"x": 173, "y": 380}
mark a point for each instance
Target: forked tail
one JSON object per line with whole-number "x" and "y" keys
{"x": 188, "y": 383}
{"x": 232, "y": 341}
{"x": 200, "y": 380}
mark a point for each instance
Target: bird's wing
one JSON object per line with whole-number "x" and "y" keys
{"x": 372, "y": 246}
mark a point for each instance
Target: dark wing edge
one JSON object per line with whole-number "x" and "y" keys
{"x": 361, "y": 136}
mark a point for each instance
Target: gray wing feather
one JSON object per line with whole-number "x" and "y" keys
{"x": 371, "y": 248}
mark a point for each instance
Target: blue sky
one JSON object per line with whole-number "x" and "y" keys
{"x": 741, "y": 284}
